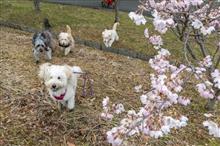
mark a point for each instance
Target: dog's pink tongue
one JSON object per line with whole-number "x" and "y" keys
{"x": 60, "y": 97}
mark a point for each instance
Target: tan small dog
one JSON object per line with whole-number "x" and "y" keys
{"x": 66, "y": 41}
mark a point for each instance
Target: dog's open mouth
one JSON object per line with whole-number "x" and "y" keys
{"x": 61, "y": 96}
{"x": 65, "y": 46}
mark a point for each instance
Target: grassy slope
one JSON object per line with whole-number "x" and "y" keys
{"x": 86, "y": 23}
{"x": 89, "y": 23}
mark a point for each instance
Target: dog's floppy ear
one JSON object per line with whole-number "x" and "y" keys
{"x": 68, "y": 71}
{"x": 68, "y": 30}
{"x": 44, "y": 71}
{"x": 59, "y": 36}
{"x": 44, "y": 35}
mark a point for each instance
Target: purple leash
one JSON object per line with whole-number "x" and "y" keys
{"x": 90, "y": 82}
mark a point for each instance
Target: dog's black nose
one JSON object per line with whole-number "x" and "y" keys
{"x": 54, "y": 86}
{"x": 41, "y": 50}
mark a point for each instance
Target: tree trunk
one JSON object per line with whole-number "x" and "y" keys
{"x": 116, "y": 11}
{"x": 37, "y": 5}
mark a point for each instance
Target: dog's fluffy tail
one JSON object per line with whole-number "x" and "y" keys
{"x": 115, "y": 26}
{"x": 46, "y": 24}
{"x": 68, "y": 30}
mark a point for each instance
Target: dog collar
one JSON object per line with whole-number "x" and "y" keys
{"x": 65, "y": 46}
{"x": 61, "y": 96}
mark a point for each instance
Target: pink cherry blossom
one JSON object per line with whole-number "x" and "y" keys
{"x": 216, "y": 78}
{"x": 213, "y": 128}
{"x": 196, "y": 2}
{"x": 206, "y": 62}
{"x": 205, "y": 91}
{"x": 138, "y": 88}
{"x": 118, "y": 108}
{"x": 160, "y": 25}
{"x": 106, "y": 116}
{"x": 138, "y": 19}
{"x": 197, "y": 24}
{"x": 146, "y": 34}
{"x": 156, "y": 40}
{"x": 183, "y": 101}
{"x": 105, "y": 101}
{"x": 207, "y": 30}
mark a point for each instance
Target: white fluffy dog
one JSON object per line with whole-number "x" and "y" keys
{"x": 66, "y": 41}
{"x": 109, "y": 36}
{"x": 61, "y": 82}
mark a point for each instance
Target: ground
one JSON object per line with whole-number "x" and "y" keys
{"x": 28, "y": 117}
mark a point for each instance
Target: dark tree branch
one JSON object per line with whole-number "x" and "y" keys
{"x": 218, "y": 61}
{"x": 175, "y": 32}
{"x": 186, "y": 38}
{"x": 37, "y": 5}
{"x": 180, "y": 33}
{"x": 200, "y": 42}
{"x": 116, "y": 11}
{"x": 185, "y": 25}
{"x": 216, "y": 58}
{"x": 190, "y": 51}
{"x": 217, "y": 53}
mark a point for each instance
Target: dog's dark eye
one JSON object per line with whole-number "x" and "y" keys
{"x": 40, "y": 46}
{"x": 58, "y": 78}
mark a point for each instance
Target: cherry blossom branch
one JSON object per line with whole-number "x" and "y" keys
{"x": 185, "y": 47}
{"x": 217, "y": 54}
{"x": 217, "y": 51}
{"x": 200, "y": 43}
{"x": 217, "y": 62}
{"x": 191, "y": 20}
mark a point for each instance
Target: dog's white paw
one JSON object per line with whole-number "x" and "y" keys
{"x": 71, "y": 103}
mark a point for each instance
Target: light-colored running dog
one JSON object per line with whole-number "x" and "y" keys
{"x": 66, "y": 41}
{"x": 110, "y": 35}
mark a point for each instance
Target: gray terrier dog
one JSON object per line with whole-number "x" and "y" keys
{"x": 43, "y": 42}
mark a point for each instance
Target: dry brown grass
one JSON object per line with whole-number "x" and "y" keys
{"x": 27, "y": 117}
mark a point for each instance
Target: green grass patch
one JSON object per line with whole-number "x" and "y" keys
{"x": 86, "y": 23}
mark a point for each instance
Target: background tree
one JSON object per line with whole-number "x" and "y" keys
{"x": 37, "y": 5}
{"x": 116, "y": 11}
